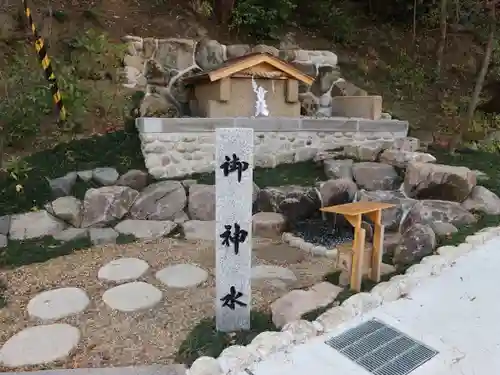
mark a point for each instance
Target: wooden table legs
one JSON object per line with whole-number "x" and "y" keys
{"x": 378, "y": 240}
{"x": 358, "y": 248}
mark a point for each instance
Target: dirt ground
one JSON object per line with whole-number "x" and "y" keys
{"x": 113, "y": 338}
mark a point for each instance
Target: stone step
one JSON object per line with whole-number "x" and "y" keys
{"x": 297, "y": 302}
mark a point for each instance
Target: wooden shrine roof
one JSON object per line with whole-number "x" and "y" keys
{"x": 246, "y": 62}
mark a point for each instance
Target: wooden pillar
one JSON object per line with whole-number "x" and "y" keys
{"x": 378, "y": 240}
{"x": 358, "y": 250}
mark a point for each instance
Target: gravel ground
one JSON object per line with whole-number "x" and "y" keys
{"x": 113, "y": 338}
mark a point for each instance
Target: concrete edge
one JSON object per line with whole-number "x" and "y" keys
{"x": 175, "y": 369}
{"x": 236, "y": 359}
{"x": 147, "y": 125}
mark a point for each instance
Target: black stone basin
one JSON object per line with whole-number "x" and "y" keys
{"x": 321, "y": 232}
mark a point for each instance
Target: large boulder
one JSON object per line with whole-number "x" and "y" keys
{"x": 338, "y": 168}
{"x": 135, "y": 179}
{"x": 62, "y": 186}
{"x": 199, "y": 230}
{"x": 172, "y": 54}
{"x": 410, "y": 144}
{"x": 147, "y": 229}
{"x": 268, "y": 224}
{"x": 339, "y": 191}
{"x": 429, "y": 211}
{"x": 164, "y": 200}
{"x": 34, "y": 224}
{"x": 68, "y": 209}
{"x": 391, "y": 241}
{"x": 295, "y": 202}
{"x": 402, "y": 159}
{"x": 201, "y": 202}
{"x": 415, "y": 243}
{"x": 482, "y": 200}
{"x": 375, "y": 176}
{"x": 209, "y": 54}
{"x": 438, "y": 181}
{"x": 4, "y": 224}
{"x": 364, "y": 152}
{"x": 106, "y": 205}
{"x": 391, "y": 217}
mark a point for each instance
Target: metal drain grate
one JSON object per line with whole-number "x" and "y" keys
{"x": 381, "y": 349}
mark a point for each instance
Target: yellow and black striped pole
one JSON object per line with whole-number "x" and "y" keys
{"x": 46, "y": 65}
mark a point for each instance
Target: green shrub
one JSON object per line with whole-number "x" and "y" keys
{"x": 94, "y": 55}
{"x": 332, "y": 20}
{"x": 24, "y": 185}
{"x": 262, "y": 19}
{"x": 26, "y": 102}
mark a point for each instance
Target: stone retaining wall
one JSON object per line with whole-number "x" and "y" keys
{"x": 176, "y": 147}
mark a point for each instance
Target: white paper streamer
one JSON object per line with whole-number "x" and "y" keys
{"x": 260, "y": 103}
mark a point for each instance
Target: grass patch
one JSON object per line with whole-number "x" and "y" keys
{"x": 3, "y": 299}
{"x": 21, "y": 253}
{"x": 204, "y": 340}
{"x": 486, "y": 162}
{"x": 120, "y": 150}
{"x": 302, "y": 174}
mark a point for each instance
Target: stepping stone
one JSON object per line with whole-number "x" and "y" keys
{"x": 294, "y": 304}
{"x": 123, "y": 269}
{"x": 40, "y": 344}
{"x": 182, "y": 276}
{"x": 58, "y": 303}
{"x": 132, "y": 296}
{"x": 273, "y": 272}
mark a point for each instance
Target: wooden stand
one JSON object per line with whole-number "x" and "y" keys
{"x": 353, "y": 213}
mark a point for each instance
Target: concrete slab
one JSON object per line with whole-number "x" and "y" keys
{"x": 175, "y": 369}
{"x": 455, "y": 313}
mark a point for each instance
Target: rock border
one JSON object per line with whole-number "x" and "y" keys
{"x": 309, "y": 247}
{"x": 236, "y": 358}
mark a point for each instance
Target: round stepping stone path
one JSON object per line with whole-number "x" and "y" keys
{"x": 273, "y": 272}
{"x": 40, "y": 344}
{"x": 133, "y": 296}
{"x": 58, "y": 303}
{"x": 182, "y": 276}
{"x": 123, "y": 269}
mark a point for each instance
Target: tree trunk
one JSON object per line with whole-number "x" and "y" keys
{"x": 414, "y": 26}
{"x": 223, "y": 10}
{"x": 482, "y": 73}
{"x": 442, "y": 40}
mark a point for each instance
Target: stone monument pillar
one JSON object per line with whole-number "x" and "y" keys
{"x": 233, "y": 231}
